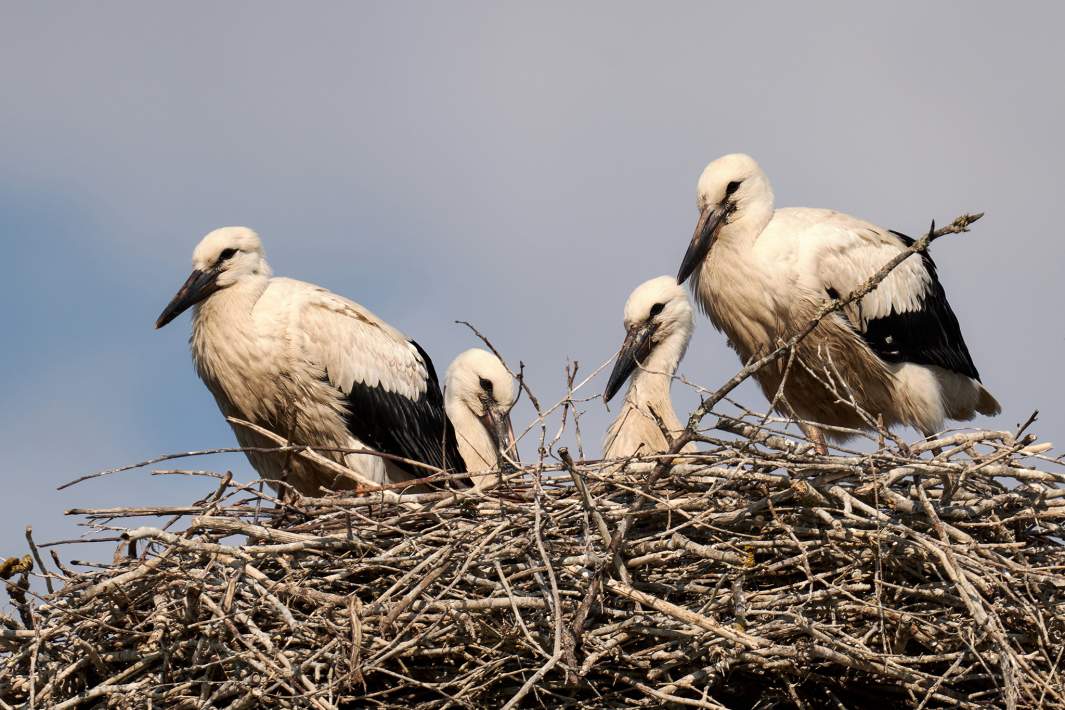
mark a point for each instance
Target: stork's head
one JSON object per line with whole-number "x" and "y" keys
{"x": 478, "y": 386}
{"x": 221, "y": 259}
{"x": 731, "y": 189}
{"x": 658, "y": 320}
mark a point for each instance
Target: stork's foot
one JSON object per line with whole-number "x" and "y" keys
{"x": 816, "y": 437}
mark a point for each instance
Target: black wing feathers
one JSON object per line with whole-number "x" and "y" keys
{"x": 414, "y": 429}
{"x": 929, "y": 336}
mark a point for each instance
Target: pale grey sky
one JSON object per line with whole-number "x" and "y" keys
{"x": 519, "y": 165}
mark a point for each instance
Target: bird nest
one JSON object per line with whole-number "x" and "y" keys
{"x": 756, "y": 573}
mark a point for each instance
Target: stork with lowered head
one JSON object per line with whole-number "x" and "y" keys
{"x": 658, "y": 325}
{"x": 762, "y": 273}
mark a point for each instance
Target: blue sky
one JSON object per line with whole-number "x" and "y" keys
{"x": 519, "y": 165}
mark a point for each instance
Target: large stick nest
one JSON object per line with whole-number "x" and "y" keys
{"x": 754, "y": 574}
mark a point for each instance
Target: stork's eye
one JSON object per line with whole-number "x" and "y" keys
{"x": 656, "y": 309}
{"x": 226, "y": 255}
{"x": 486, "y": 385}
{"x": 732, "y": 187}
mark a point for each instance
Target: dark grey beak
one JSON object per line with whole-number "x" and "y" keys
{"x": 633, "y": 351}
{"x": 502, "y": 433}
{"x": 705, "y": 232}
{"x": 198, "y": 286}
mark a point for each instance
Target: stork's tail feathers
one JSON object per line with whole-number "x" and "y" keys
{"x": 986, "y": 403}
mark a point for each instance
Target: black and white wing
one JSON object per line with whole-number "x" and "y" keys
{"x": 907, "y": 317}
{"x": 394, "y": 400}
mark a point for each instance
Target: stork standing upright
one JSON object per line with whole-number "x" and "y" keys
{"x": 478, "y": 396}
{"x": 658, "y": 326}
{"x": 761, "y": 275}
{"x": 311, "y": 366}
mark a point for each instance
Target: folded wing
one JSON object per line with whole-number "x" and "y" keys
{"x": 907, "y": 317}
{"x": 394, "y": 402}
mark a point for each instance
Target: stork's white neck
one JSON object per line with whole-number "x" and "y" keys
{"x": 476, "y": 447}
{"x": 651, "y": 381}
{"x": 231, "y": 307}
{"x": 636, "y": 430}
{"x": 224, "y": 344}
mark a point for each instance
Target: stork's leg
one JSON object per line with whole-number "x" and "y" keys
{"x": 815, "y": 435}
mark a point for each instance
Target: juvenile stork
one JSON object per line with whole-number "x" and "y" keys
{"x": 311, "y": 366}
{"x": 658, "y": 325}
{"x": 761, "y": 275}
{"x": 478, "y": 396}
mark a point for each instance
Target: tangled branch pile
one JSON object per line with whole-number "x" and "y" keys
{"x": 754, "y": 572}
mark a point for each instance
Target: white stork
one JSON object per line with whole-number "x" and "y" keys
{"x": 761, "y": 274}
{"x": 478, "y": 396}
{"x": 311, "y": 366}
{"x": 658, "y": 326}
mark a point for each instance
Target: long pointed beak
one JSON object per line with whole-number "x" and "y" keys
{"x": 198, "y": 286}
{"x": 502, "y": 432}
{"x": 703, "y": 238}
{"x": 635, "y": 349}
